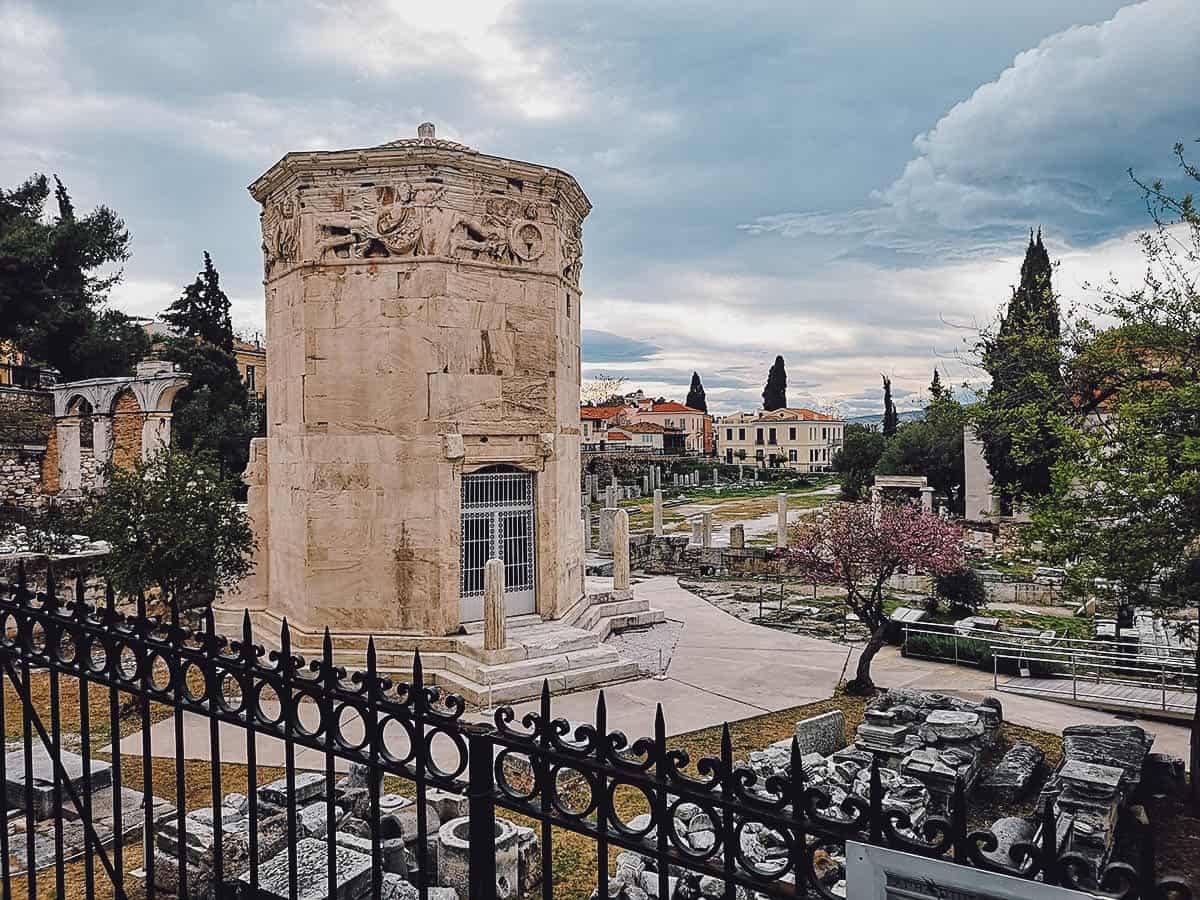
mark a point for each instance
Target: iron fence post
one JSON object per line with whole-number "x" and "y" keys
{"x": 481, "y": 812}
{"x": 1163, "y": 673}
{"x": 1074, "y": 679}
{"x": 956, "y": 646}
{"x": 995, "y": 673}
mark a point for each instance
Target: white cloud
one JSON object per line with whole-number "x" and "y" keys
{"x": 1050, "y": 139}
{"x": 400, "y": 37}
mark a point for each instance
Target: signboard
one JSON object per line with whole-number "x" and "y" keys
{"x": 878, "y": 873}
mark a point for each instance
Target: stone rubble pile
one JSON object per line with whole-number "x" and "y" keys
{"x": 925, "y": 741}
{"x": 20, "y": 540}
{"x": 1101, "y": 770}
{"x": 518, "y": 866}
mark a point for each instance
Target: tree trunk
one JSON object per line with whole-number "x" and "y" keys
{"x": 862, "y": 685}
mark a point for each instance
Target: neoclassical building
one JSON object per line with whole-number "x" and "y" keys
{"x": 422, "y": 307}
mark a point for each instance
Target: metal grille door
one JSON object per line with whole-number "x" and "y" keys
{"x": 497, "y": 522}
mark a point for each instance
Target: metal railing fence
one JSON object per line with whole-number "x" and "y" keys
{"x": 575, "y": 778}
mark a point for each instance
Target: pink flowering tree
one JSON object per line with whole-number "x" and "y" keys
{"x": 860, "y": 547}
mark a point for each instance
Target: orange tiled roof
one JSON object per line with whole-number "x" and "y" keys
{"x": 617, "y": 436}
{"x": 600, "y": 412}
{"x": 671, "y": 406}
{"x": 788, "y": 414}
{"x": 646, "y": 428}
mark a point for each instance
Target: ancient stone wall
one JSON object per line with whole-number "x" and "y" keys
{"x": 25, "y": 415}
{"x": 127, "y": 430}
{"x": 20, "y": 477}
{"x": 50, "y": 464}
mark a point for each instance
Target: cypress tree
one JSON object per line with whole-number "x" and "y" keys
{"x": 936, "y": 391}
{"x": 202, "y": 311}
{"x": 695, "y": 397}
{"x": 775, "y": 393}
{"x": 1023, "y": 358}
{"x": 891, "y": 420}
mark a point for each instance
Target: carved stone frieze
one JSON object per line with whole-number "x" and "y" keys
{"x": 381, "y": 221}
{"x": 281, "y": 233}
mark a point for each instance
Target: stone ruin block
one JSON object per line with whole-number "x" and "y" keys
{"x": 1012, "y": 777}
{"x": 454, "y": 857}
{"x": 37, "y": 790}
{"x": 824, "y": 734}
{"x": 312, "y": 873}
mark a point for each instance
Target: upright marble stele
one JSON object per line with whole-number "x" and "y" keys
{"x": 422, "y": 306}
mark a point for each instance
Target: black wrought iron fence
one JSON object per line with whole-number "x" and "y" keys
{"x": 534, "y": 766}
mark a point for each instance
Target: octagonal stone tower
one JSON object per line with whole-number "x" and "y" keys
{"x": 422, "y": 305}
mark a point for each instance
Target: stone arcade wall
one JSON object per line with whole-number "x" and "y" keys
{"x": 422, "y": 308}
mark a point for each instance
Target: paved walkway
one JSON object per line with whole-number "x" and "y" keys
{"x": 722, "y": 669}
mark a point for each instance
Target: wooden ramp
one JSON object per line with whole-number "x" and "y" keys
{"x": 1140, "y": 700}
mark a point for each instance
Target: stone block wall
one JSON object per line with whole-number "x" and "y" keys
{"x": 25, "y": 415}
{"x": 127, "y": 430}
{"x": 21, "y": 477}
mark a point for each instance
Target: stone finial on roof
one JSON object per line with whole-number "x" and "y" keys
{"x": 426, "y": 130}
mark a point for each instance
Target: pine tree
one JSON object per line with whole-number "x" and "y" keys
{"x": 890, "y": 418}
{"x": 52, "y": 292}
{"x": 936, "y": 391}
{"x": 1023, "y": 358}
{"x": 695, "y": 397}
{"x": 202, "y": 311}
{"x": 775, "y": 393}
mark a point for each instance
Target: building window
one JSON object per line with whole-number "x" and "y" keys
{"x": 728, "y": 455}
{"x": 729, "y": 434}
{"x": 741, "y": 434}
{"x": 771, "y": 437}
{"x": 791, "y": 434}
{"x": 792, "y": 457}
{"x": 758, "y": 454}
{"x": 824, "y": 434}
{"x": 758, "y": 436}
{"x": 250, "y": 378}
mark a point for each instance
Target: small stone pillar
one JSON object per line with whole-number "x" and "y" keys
{"x": 610, "y": 496}
{"x": 586, "y": 521}
{"x": 156, "y": 433}
{"x": 737, "y": 537}
{"x": 658, "y": 513}
{"x": 706, "y": 530}
{"x": 621, "y": 551}
{"x": 70, "y": 478}
{"x": 781, "y": 536}
{"x": 716, "y": 475}
{"x": 697, "y": 533}
{"x": 102, "y": 444}
{"x": 927, "y": 499}
{"x": 494, "y": 630}
{"x": 607, "y": 519}
{"x": 741, "y": 472}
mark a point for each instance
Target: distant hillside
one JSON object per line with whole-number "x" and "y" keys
{"x": 911, "y": 415}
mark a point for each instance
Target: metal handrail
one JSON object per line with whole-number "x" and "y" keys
{"x": 1003, "y": 639}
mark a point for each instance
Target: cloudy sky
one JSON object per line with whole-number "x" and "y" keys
{"x": 849, "y": 184}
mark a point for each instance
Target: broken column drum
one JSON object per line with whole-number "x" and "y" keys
{"x": 422, "y": 308}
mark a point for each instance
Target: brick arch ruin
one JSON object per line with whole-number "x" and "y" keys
{"x": 130, "y": 420}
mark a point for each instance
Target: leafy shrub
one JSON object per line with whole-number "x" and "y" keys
{"x": 962, "y": 589}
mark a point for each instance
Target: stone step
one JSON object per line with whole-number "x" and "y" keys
{"x": 540, "y": 667}
{"x": 576, "y": 679}
{"x": 598, "y": 611}
{"x": 543, "y": 639}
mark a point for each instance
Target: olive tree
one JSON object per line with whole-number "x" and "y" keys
{"x": 171, "y": 522}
